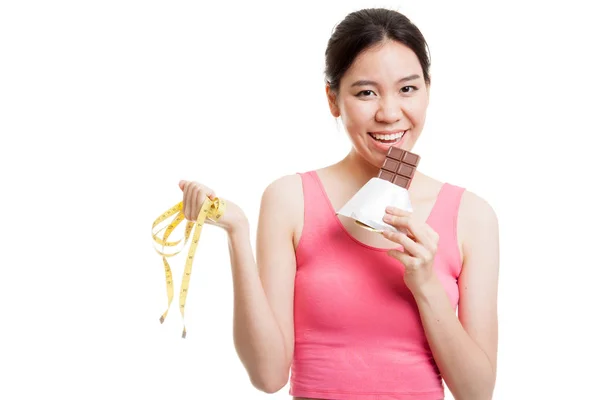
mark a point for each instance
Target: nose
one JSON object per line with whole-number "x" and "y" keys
{"x": 389, "y": 110}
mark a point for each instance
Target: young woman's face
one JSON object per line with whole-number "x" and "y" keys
{"x": 382, "y": 100}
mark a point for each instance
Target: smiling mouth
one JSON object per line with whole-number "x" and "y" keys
{"x": 388, "y": 138}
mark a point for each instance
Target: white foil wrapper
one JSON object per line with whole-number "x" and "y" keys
{"x": 368, "y": 205}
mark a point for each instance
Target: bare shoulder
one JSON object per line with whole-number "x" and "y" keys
{"x": 476, "y": 213}
{"x": 283, "y": 198}
{"x": 477, "y": 220}
{"x": 286, "y": 190}
{"x": 285, "y": 185}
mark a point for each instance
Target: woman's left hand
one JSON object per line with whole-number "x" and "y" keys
{"x": 420, "y": 246}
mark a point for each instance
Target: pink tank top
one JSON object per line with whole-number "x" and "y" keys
{"x": 358, "y": 334}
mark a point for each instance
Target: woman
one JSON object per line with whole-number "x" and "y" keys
{"x": 354, "y": 314}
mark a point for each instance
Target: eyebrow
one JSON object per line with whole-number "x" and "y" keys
{"x": 373, "y": 83}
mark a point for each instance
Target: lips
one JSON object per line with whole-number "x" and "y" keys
{"x": 382, "y": 146}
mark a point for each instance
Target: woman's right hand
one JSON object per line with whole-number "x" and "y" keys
{"x": 194, "y": 195}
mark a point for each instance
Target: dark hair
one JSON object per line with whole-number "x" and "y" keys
{"x": 363, "y": 29}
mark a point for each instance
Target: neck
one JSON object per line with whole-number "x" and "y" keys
{"x": 355, "y": 166}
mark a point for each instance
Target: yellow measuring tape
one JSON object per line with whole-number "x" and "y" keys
{"x": 212, "y": 210}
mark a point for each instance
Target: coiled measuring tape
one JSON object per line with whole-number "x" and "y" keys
{"x": 212, "y": 210}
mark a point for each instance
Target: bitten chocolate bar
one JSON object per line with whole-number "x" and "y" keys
{"x": 399, "y": 167}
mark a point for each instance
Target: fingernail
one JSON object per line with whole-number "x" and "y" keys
{"x": 386, "y": 218}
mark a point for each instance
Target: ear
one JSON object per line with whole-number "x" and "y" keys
{"x": 429, "y": 87}
{"x": 332, "y": 100}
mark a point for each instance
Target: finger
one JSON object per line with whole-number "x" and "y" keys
{"x": 401, "y": 223}
{"x": 199, "y": 200}
{"x": 433, "y": 237}
{"x": 409, "y": 233}
{"x": 418, "y": 231}
{"x": 182, "y": 184}
{"x": 397, "y": 211}
{"x": 404, "y": 258}
{"x": 412, "y": 228}
{"x": 194, "y": 196}
{"x": 425, "y": 235}
{"x": 418, "y": 242}
{"x": 396, "y": 221}
{"x": 184, "y": 208}
{"x": 187, "y": 204}
{"x": 209, "y": 193}
{"x": 421, "y": 247}
{"x": 191, "y": 200}
{"x": 407, "y": 243}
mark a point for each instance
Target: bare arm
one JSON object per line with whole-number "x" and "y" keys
{"x": 263, "y": 294}
{"x": 465, "y": 348}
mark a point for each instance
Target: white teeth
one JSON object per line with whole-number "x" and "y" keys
{"x": 388, "y": 137}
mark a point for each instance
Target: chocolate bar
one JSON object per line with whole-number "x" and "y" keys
{"x": 399, "y": 167}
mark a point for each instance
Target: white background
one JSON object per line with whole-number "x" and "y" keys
{"x": 106, "y": 105}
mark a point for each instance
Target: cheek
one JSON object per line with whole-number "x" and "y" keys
{"x": 416, "y": 110}
{"x": 357, "y": 114}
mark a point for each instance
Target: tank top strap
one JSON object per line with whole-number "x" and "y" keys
{"x": 317, "y": 206}
{"x": 319, "y": 216}
{"x": 445, "y": 210}
{"x": 443, "y": 219}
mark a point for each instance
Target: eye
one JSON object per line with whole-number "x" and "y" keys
{"x": 407, "y": 89}
{"x": 365, "y": 93}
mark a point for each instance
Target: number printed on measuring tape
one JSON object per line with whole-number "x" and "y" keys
{"x": 212, "y": 210}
